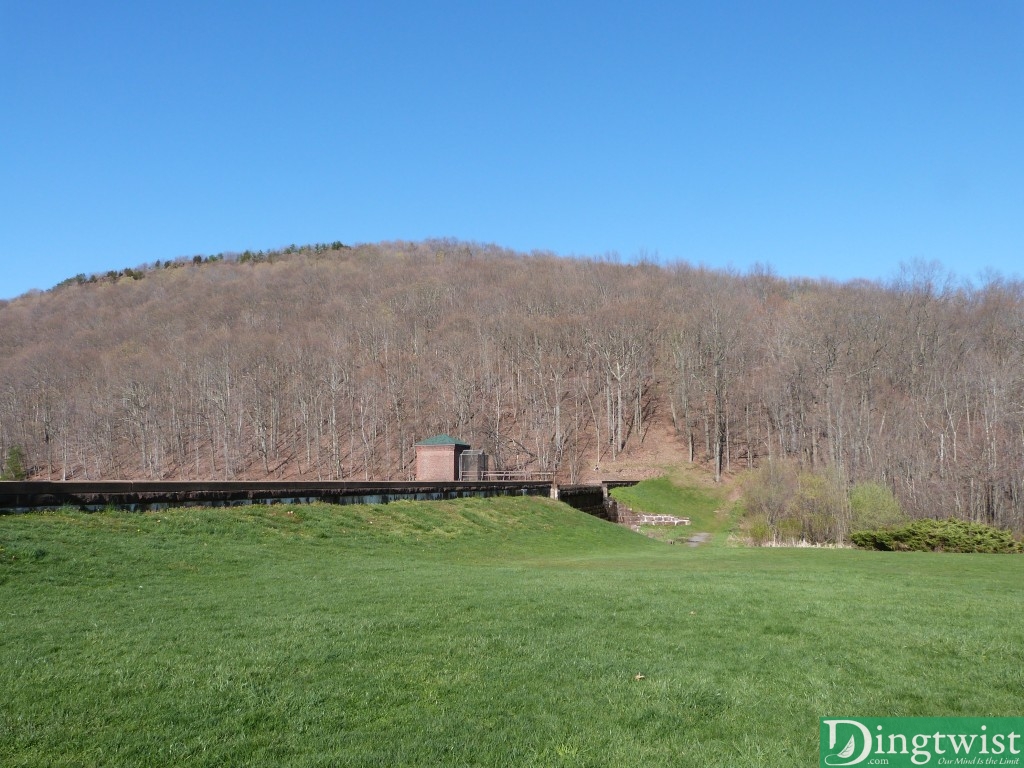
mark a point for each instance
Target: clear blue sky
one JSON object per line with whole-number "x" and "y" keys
{"x": 823, "y": 138}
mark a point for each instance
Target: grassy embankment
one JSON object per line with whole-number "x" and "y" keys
{"x": 680, "y": 495}
{"x": 503, "y": 632}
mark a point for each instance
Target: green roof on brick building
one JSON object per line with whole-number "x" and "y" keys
{"x": 443, "y": 440}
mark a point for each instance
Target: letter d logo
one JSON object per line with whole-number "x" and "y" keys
{"x": 843, "y": 757}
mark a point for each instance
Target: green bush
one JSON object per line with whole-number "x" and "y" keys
{"x": 939, "y": 536}
{"x": 760, "y": 531}
{"x": 872, "y": 506}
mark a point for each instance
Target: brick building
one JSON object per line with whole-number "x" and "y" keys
{"x": 437, "y": 458}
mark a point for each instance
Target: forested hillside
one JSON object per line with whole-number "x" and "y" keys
{"x": 331, "y": 362}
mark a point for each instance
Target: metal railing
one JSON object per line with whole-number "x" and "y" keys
{"x": 510, "y": 475}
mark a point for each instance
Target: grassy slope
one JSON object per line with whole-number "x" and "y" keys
{"x": 680, "y": 495}
{"x": 474, "y": 632}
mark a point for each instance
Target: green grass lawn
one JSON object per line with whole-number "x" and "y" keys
{"x": 500, "y": 632}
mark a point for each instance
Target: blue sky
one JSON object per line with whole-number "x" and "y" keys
{"x": 823, "y": 138}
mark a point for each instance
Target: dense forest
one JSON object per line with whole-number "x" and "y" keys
{"x": 331, "y": 362}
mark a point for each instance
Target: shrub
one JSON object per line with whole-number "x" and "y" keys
{"x": 821, "y": 506}
{"x": 940, "y": 536}
{"x": 759, "y": 530}
{"x": 790, "y": 529}
{"x": 798, "y": 506}
{"x": 872, "y": 506}
{"x": 769, "y": 491}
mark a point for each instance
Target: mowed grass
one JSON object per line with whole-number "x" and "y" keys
{"x": 679, "y": 496}
{"x": 501, "y": 632}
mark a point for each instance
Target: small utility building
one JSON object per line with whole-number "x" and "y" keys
{"x": 437, "y": 458}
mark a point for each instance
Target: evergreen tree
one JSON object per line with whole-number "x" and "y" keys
{"x": 14, "y": 467}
